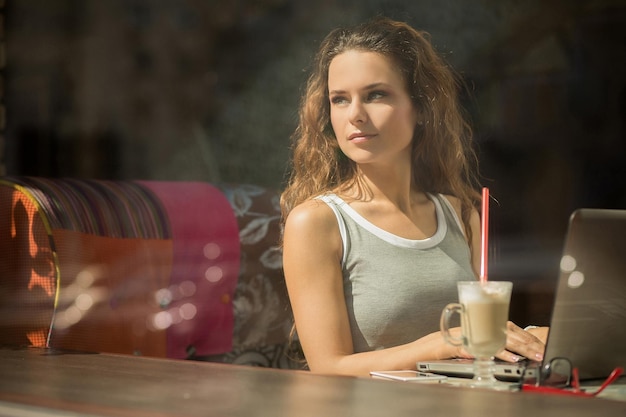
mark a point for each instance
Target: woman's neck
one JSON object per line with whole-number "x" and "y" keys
{"x": 392, "y": 185}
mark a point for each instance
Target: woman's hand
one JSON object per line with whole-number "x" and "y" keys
{"x": 522, "y": 344}
{"x": 540, "y": 332}
{"x": 447, "y": 350}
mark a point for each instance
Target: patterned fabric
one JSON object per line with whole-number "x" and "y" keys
{"x": 263, "y": 319}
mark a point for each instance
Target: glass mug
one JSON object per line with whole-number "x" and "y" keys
{"x": 484, "y": 311}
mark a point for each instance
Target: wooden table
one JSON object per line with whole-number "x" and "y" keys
{"x": 41, "y": 382}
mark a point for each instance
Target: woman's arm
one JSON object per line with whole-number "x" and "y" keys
{"x": 312, "y": 254}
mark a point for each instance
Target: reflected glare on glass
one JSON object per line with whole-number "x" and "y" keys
{"x": 568, "y": 263}
{"x": 576, "y": 279}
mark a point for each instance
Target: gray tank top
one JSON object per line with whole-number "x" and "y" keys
{"x": 396, "y": 288}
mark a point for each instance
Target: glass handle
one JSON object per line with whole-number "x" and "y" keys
{"x": 444, "y": 324}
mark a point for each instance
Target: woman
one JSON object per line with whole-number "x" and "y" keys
{"x": 380, "y": 209}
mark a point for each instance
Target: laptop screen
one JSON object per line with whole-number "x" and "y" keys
{"x": 589, "y": 313}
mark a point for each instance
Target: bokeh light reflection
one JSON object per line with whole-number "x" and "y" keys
{"x": 187, "y": 288}
{"x": 84, "y": 302}
{"x": 188, "y": 311}
{"x": 568, "y": 263}
{"x": 163, "y": 297}
{"x": 161, "y": 320}
{"x": 165, "y": 319}
{"x": 212, "y": 251}
{"x": 68, "y": 317}
{"x": 214, "y": 274}
{"x": 576, "y": 279}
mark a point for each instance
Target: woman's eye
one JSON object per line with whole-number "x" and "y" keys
{"x": 338, "y": 100}
{"x": 375, "y": 95}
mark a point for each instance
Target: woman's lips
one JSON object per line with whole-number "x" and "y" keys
{"x": 360, "y": 136}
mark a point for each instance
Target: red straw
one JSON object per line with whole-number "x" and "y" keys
{"x": 484, "y": 234}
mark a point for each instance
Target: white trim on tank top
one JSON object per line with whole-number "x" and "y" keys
{"x": 332, "y": 200}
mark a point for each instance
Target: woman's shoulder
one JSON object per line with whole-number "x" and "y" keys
{"x": 313, "y": 225}
{"x": 313, "y": 213}
{"x": 454, "y": 202}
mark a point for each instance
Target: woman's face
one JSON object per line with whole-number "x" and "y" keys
{"x": 370, "y": 111}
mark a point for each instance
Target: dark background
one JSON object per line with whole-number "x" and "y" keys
{"x": 208, "y": 90}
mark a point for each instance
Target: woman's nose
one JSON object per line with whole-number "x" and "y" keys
{"x": 357, "y": 113}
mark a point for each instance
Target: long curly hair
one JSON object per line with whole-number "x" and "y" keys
{"x": 443, "y": 158}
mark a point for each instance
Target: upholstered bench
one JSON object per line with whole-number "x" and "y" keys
{"x": 163, "y": 269}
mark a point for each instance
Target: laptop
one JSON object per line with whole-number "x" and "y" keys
{"x": 589, "y": 311}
